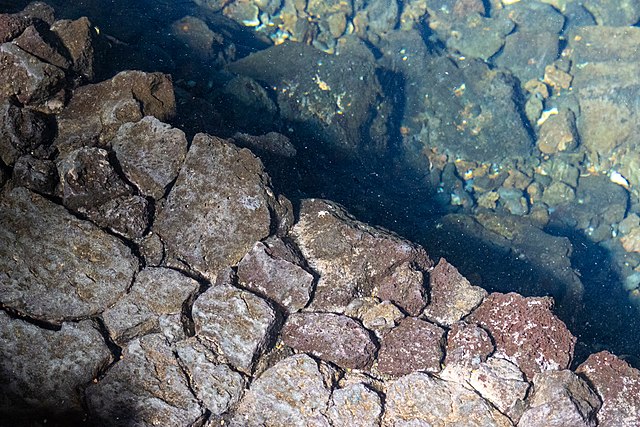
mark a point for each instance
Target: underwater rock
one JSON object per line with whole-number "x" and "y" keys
{"x": 527, "y": 53}
{"x": 22, "y": 131}
{"x": 558, "y": 133}
{"x": 37, "y": 175}
{"x": 78, "y": 37}
{"x": 272, "y": 143}
{"x": 61, "y": 267}
{"x": 355, "y": 405}
{"x": 621, "y": 13}
{"x": 467, "y": 344}
{"x": 42, "y": 45}
{"x": 534, "y": 16}
{"x": 331, "y": 337}
{"x": 12, "y": 25}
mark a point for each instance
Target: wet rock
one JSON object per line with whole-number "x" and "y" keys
{"x": 558, "y": 133}
{"x": 513, "y": 200}
{"x": 215, "y": 384}
{"x": 233, "y": 323}
{"x": 146, "y": 387}
{"x": 78, "y": 38}
{"x": 272, "y": 143}
{"x": 331, "y": 337}
{"x": 534, "y": 16}
{"x": 218, "y": 208}
{"x": 37, "y": 175}
{"x": 558, "y": 193}
{"x": 467, "y": 344}
{"x": 152, "y": 250}
{"x": 414, "y": 345}
{"x": 150, "y": 154}
{"x": 42, "y": 370}
{"x": 618, "y": 386}
{"x": 527, "y": 53}
{"x": 352, "y": 259}
{"x": 38, "y": 10}
{"x": 355, "y": 405}
{"x": 381, "y": 317}
{"x": 292, "y": 392}
{"x": 560, "y": 399}
{"x": 156, "y": 293}
{"x": 631, "y": 240}
{"x": 26, "y": 77}
{"x": 272, "y": 269}
{"x": 43, "y": 45}
{"x": 61, "y": 267}
{"x": 12, "y": 25}
{"x": 526, "y": 332}
{"x": 420, "y": 399}
{"x": 614, "y": 13}
{"x": 452, "y": 296}
{"x": 23, "y": 131}
{"x": 96, "y": 112}
{"x": 377, "y": 17}
{"x": 405, "y": 288}
{"x": 251, "y": 108}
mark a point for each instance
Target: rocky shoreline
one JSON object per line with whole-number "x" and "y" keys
{"x": 148, "y": 277}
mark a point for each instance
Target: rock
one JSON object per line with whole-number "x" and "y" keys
{"x": 631, "y": 240}
{"x": 558, "y": 193}
{"x": 560, "y": 399}
{"x": 152, "y": 250}
{"x": 146, "y": 387}
{"x": 534, "y": 16}
{"x": 558, "y": 133}
{"x": 618, "y": 386}
{"x": 467, "y": 344}
{"x": 22, "y": 131}
{"x": 355, "y": 405}
{"x": 273, "y": 270}
{"x": 292, "y": 392}
{"x": 331, "y": 337}
{"x": 248, "y": 106}
{"x": 527, "y": 53}
{"x": 150, "y": 154}
{"x": 78, "y": 37}
{"x": 272, "y": 143}
{"x": 43, "y": 370}
{"x": 513, "y": 200}
{"x": 413, "y": 345}
{"x": 12, "y": 25}
{"x": 234, "y": 324}
{"x": 525, "y": 332}
{"x": 44, "y": 45}
{"x": 156, "y": 293}
{"x": 215, "y": 384}
{"x": 615, "y": 14}
{"x": 452, "y": 296}
{"x": 381, "y": 317}
{"x": 351, "y": 258}
{"x": 37, "y": 175}
{"x": 125, "y": 215}
{"x": 96, "y": 112}
{"x": 422, "y": 400}
{"x": 405, "y": 288}
{"x": 218, "y": 208}
{"x": 61, "y": 267}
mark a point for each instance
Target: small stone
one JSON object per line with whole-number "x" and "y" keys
{"x": 556, "y": 78}
{"x": 355, "y": 405}
{"x": 631, "y": 240}
{"x": 152, "y": 250}
{"x": 558, "y": 193}
{"x": 619, "y": 13}
{"x": 414, "y": 345}
{"x": 467, "y": 344}
{"x": 381, "y": 317}
{"x": 405, "y": 288}
{"x": 558, "y": 133}
{"x": 489, "y": 200}
{"x": 331, "y": 337}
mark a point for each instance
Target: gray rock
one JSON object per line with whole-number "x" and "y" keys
{"x": 452, "y": 296}
{"x": 42, "y": 370}
{"x": 35, "y": 174}
{"x": 215, "y": 384}
{"x": 293, "y": 392}
{"x": 272, "y": 269}
{"x": 156, "y": 293}
{"x": 218, "y": 208}
{"x": 558, "y": 193}
{"x": 560, "y": 399}
{"x": 147, "y": 387}
{"x": 22, "y": 131}
{"x": 534, "y": 16}
{"x": 233, "y": 323}
{"x": 355, "y": 405}
{"x": 331, "y": 337}
{"x": 150, "y": 153}
{"x": 414, "y": 345}
{"x": 352, "y": 258}
{"x": 614, "y": 13}
{"x": 61, "y": 267}
{"x": 152, "y": 250}
{"x": 467, "y": 344}
{"x": 380, "y": 317}
{"x": 419, "y": 399}
{"x": 478, "y": 36}
{"x": 273, "y": 143}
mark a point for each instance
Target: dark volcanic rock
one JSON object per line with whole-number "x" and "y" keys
{"x": 147, "y": 387}
{"x": 236, "y": 324}
{"x": 78, "y": 38}
{"x": 35, "y": 174}
{"x": 22, "y": 131}
{"x": 218, "y": 208}
{"x": 618, "y": 386}
{"x": 54, "y": 266}
{"x": 353, "y": 259}
{"x": 42, "y": 45}
{"x": 526, "y": 332}
{"x": 272, "y": 269}
{"x": 452, "y": 296}
{"x": 467, "y": 344}
{"x": 405, "y": 288}
{"x": 12, "y": 25}
{"x": 42, "y": 370}
{"x": 150, "y": 153}
{"x": 331, "y": 337}
{"x": 414, "y": 345}
{"x": 526, "y": 53}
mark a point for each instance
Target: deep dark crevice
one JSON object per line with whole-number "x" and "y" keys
{"x": 115, "y": 349}
{"x": 44, "y": 324}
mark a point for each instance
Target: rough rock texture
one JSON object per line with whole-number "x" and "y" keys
{"x": 467, "y": 343}
{"x": 54, "y": 266}
{"x": 526, "y": 332}
{"x": 218, "y": 208}
{"x": 35, "y": 174}
{"x": 34, "y": 42}
{"x": 272, "y": 269}
{"x": 331, "y": 337}
{"x": 78, "y": 37}
{"x": 413, "y": 345}
{"x": 42, "y": 372}
{"x": 405, "y": 288}
{"x": 352, "y": 259}
{"x": 146, "y": 388}
{"x": 156, "y": 295}
{"x": 22, "y": 131}
{"x": 560, "y": 399}
{"x": 617, "y": 385}
{"x": 452, "y": 296}
{"x": 355, "y": 405}
{"x": 150, "y": 154}
{"x": 233, "y": 323}
{"x": 292, "y": 392}
{"x": 381, "y": 317}
{"x": 419, "y": 399}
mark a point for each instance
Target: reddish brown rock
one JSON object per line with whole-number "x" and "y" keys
{"x": 526, "y": 332}
{"x": 618, "y": 386}
{"x": 414, "y": 345}
{"x": 405, "y": 288}
{"x": 11, "y": 26}
{"x": 331, "y": 337}
{"x": 467, "y": 343}
{"x": 43, "y": 46}
{"x": 77, "y": 37}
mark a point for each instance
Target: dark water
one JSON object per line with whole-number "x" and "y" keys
{"x": 393, "y": 186}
